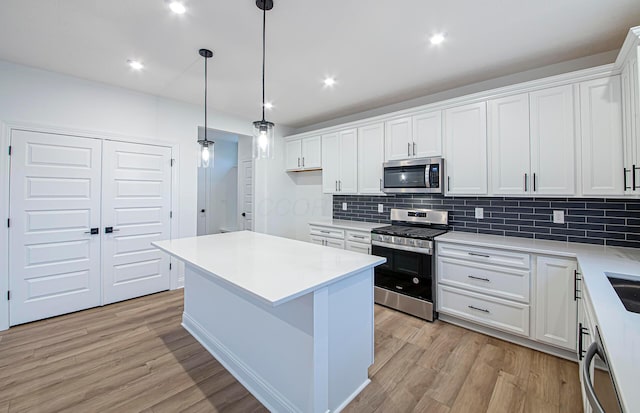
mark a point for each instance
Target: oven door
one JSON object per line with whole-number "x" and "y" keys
{"x": 405, "y": 272}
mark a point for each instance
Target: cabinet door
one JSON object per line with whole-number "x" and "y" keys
{"x": 601, "y": 128}
{"x": 466, "y": 149}
{"x": 370, "y": 158}
{"x": 398, "y": 139}
{"x": 293, "y": 149}
{"x": 628, "y": 126}
{"x": 348, "y": 177}
{"x": 552, "y": 141}
{"x": 427, "y": 134}
{"x": 556, "y": 309}
{"x": 509, "y": 141}
{"x": 331, "y": 163}
{"x": 311, "y": 153}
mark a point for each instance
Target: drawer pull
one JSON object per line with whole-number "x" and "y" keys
{"x": 325, "y": 232}
{"x": 475, "y": 254}
{"x": 478, "y": 278}
{"x": 358, "y": 236}
{"x": 479, "y": 309}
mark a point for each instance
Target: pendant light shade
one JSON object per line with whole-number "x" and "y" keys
{"x": 263, "y": 139}
{"x": 206, "y": 146}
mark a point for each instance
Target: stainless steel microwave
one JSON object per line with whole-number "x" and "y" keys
{"x": 422, "y": 175}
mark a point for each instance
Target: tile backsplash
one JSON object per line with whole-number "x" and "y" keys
{"x": 600, "y": 221}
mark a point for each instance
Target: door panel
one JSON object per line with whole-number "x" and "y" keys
{"x": 398, "y": 139}
{"x": 293, "y": 150}
{"x": 370, "y": 158}
{"x": 54, "y": 265}
{"x": 427, "y": 134}
{"x": 246, "y": 195}
{"x": 330, "y": 163}
{"x": 348, "y": 178}
{"x": 136, "y": 204}
{"x": 312, "y": 153}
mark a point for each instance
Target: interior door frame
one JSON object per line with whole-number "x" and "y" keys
{"x": 6, "y": 129}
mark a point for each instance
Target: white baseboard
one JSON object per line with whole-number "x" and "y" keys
{"x": 351, "y": 397}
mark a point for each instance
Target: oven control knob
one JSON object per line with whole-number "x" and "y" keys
{"x": 416, "y": 280}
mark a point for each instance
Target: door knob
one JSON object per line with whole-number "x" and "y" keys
{"x": 93, "y": 231}
{"x": 202, "y": 210}
{"x": 109, "y": 230}
{"x": 244, "y": 214}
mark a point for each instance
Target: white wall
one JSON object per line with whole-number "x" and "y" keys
{"x": 221, "y": 203}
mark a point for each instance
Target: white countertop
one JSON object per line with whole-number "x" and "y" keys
{"x": 619, "y": 328}
{"x": 272, "y": 269}
{"x": 344, "y": 224}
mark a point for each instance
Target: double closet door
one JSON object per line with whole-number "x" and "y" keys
{"x": 83, "y": 215}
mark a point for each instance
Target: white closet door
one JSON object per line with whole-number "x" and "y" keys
{"x": 136, "y": 193}
{"x": 246, "y": 195}
{"x": 54, "y": 264}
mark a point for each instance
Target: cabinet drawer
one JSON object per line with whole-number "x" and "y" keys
{"x": 334, "y": 243}
{"x": 326, "y": 232}
{"x": 494, "y": 312}
{"x": 501, "y": 282}
{"x": 485, "y": 255}
{"x": 357, "y": 236}
{"x": 358, "y": 247}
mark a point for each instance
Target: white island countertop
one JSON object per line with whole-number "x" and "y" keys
{"x": 346, "y": 224}
{"x": 273, "y": 269}
{"x": 619, "y": 328}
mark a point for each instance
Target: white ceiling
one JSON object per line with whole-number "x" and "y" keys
{"x": 378, "y": 51}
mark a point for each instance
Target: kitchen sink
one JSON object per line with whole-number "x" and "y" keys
{"x": 628, "y": 289}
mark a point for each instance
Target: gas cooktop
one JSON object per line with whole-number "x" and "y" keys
{"x": 410, "y": 231}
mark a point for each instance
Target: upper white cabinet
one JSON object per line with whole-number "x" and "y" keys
{"x": 552, "y": 141}
{"x": 466, "y": 149}
{"x": 370, "y": 158}
{"x": 508, "y": 128}
{"x": 340, "y": 169}
{"x": 418, "y": 136}
{"x": 556, "y": 307}
{"x": 630, "y": 77}
{"x": 601, "y": 129}
{"x": 303, "y": 154}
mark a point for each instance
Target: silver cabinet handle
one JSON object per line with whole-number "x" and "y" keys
{"x": 534, "y": 182}
{"x": 624, "y": 177}
{"x": 303, "y": 161}
{"x": 525, "y": 182}
{"x": 369, "y": 250}
{"x": 593, "y": 349}
{"x": 336, "y": 186}
{"x": 380, "y": 184}
{"x": 325, "y": 232}
{"x": 408, "y": 149}
{"x": 478, "y": 278}
{"x": 414, "y": 149}
{"x": 475, "y": 254}
{"x": 448, "y": 183}
{"x": 479, "y": 309}
{"x": 340, "y": 185}
{"x": 298, "y": 162}
{"x": 633, "y": 177}
{"x": 358, "y": 236}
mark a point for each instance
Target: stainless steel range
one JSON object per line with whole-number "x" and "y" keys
{"x": 406, "y": 281}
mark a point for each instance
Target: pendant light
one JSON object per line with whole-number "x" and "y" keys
{"x": 262, "y": 129}
{"x": 206, "y": 146}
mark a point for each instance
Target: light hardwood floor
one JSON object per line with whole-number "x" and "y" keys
{"x": 134, "y": 356}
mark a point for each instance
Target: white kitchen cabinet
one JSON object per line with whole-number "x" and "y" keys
{"x": 552, "y": 141}
{"x": 466, "y": 149}
{"x": 331, "y": 236}
{"x": 556, "y": 306}
{"x": 370, "y": 158}
{"x": 418, "y": 136}
{"x": 601, "y": 129}
{"x": 510, "y": 159}
{"x": 630, "y": 77}
{"x": 303, "y": 154}
{"x": 340, "y": 169}
{"x": 584, "y": 338}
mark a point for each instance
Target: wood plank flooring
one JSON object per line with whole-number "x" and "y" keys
{"x": 135, "y": 357}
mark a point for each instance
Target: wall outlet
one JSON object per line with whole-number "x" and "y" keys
{"x": 480, "y": 213}
{"x": 558, "y": 217}
{"x": 381, "y": 208}
{"x": 344, "y": 206}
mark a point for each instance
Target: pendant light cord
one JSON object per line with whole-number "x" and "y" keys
{"x": 205, "y": 98}
{"x": 264, "y": 25}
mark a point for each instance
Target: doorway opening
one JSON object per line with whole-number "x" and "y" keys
{"x": 225, "y": 187}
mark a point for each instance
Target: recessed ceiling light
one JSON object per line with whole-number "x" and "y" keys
{"x": 135, "y": 65}
{"x": 329, "y": 81}
{"x": 177, "y": 7}
{"x": 268, "y": 105}
{"x": 437, "y": 38}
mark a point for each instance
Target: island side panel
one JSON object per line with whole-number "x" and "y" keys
{"x": 351, "y": 337}
{"x": 270, "y": 350}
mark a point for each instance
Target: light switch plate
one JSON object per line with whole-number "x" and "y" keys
{"x": 558, "y": 217}
{"x": 381, "y": 208}
{"x": 344, "y": 206}
{"x": 479, "y": 213}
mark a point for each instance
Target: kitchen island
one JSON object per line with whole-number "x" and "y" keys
{"x": 292, "y": 321}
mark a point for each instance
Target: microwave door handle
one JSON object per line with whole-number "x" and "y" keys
{"x": 593, "y": 349}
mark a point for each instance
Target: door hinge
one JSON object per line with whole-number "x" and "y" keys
{"x": 9, "y": 150}
{"x": 8, "y": 295}
{"x": 170, "y": 214}
{"x": 173, "y": 161}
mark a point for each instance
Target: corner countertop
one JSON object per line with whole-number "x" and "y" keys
{"x": 345, "y": 224}
{"x": 619, "y": 328}
{"x": 272, "y": 269}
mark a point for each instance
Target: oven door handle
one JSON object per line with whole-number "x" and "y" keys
{"x": 593, "y": 349}
{"x": 427, "y": 251}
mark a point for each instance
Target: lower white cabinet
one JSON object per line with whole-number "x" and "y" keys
{"x": 556, "y": 306}
{"x": 329, "y": 236}
{"x": 526, "y": 295}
